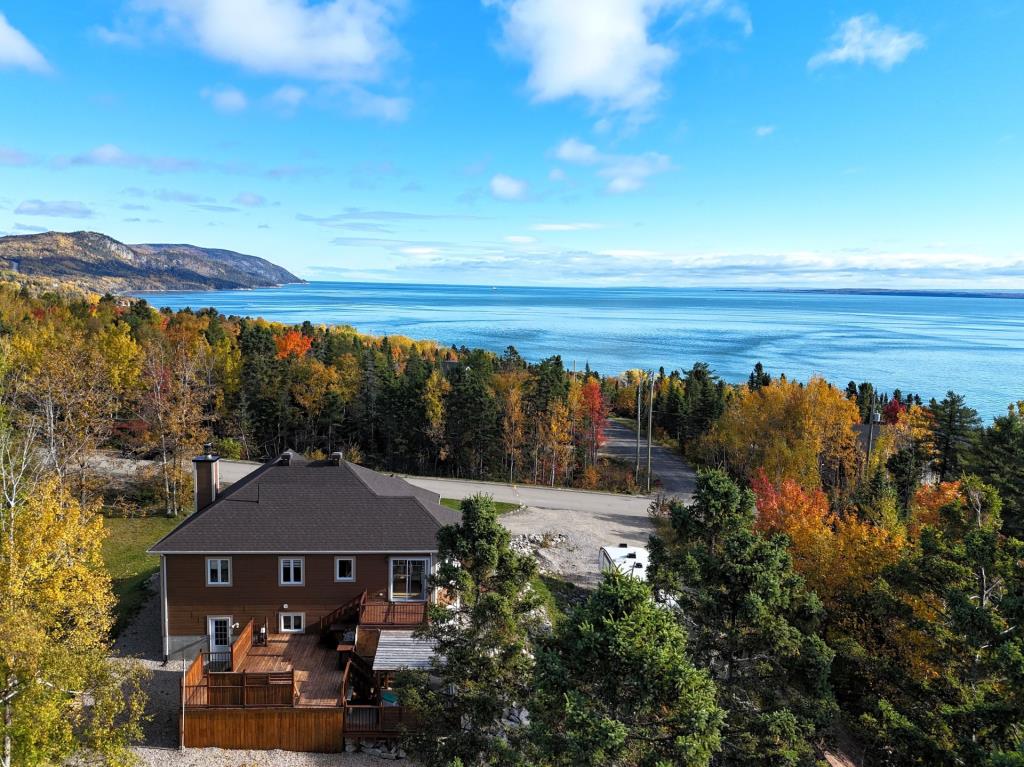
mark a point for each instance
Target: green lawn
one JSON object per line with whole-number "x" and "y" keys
{"x": 501, "y": 506}
{"x": 130, "y": 567}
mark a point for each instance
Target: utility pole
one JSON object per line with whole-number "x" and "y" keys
{"x": 650, "y": 422}
{"x": 639, "y": 389}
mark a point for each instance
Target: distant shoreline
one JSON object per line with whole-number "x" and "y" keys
{"x": 923, "y": 292}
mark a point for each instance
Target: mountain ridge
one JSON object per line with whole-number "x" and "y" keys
{"x": 99, "y": 262}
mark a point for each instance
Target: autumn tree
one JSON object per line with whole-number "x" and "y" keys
{"x": 614, "y": 685}
{"x": 791, "y": 431}
{"x": 71, "y": 384}
{"x": 595, "y": 419}
{"x": 752, "y": 623}
{"x": 62, "y": 699}
{"x": 836, "y": 554}
{"x": 434, "y": 394}
{"x": 509, "y": 388}
{"x": 173, "y": 405}
{"x": 292, "y": 343}
{"x": 957, "y": 696}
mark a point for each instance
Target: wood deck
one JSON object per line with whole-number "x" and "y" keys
{"x": 317, "y": 675}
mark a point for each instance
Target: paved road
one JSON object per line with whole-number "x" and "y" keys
{"x": 676, "y": 476}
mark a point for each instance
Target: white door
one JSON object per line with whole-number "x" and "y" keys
{"x": 219, "y": 630}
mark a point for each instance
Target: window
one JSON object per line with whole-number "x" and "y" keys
{"x": 344, "y": 569}
{"x": 218, "y": 571}
{"x": 409, "y": 579}
{"x": 292, "y": 623}
{"x": 291, "y": 571}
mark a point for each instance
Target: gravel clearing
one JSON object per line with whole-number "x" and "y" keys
{"x": 141, "y": 640}
{"x": 566, "y": 542}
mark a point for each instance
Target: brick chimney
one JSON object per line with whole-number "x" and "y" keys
{"x": 206, "y": 476}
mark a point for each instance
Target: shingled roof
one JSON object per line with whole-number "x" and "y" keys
{"x": 296, "y": 505}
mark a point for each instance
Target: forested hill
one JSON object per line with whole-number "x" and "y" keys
{"x": 101, "y": 263}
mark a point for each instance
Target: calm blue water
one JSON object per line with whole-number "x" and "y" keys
{"x": 920, "y": 343}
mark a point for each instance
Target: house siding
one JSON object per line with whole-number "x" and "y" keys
{"x": 255, "y": 593}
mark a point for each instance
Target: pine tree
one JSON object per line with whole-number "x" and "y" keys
{"x": 955, "y": 430}
{"x": 483, "y": 651}
{"x": 614, "y": 685}
{"x": 953, "y": 693}
{"x": 751, "y": 622}
{"x": 999, "y": 460}
{"x": 759, "y": 378}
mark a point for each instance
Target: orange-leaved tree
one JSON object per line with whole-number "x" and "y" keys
{"x": 836, "y": 554}
{"x": 292, "y": 344}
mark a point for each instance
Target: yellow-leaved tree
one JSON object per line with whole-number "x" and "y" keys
{"x": 62, "y": 698}
{"x": 799, "y": 432}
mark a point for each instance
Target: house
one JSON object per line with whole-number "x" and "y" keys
{"x": 292, "y": 597}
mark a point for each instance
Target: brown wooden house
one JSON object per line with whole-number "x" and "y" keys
{"x": 294, "y": 594}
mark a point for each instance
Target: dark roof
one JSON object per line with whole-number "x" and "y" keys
{"x": 307, "y": 506}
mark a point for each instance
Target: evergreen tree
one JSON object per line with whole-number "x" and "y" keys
{"x": 751, "y": 622}
{"x": 759, "y": 378}
{"x": 614, "y": 685}
{"x": 703, "y": 402}
{"x": 999, "y": 460}
{"x": 955, "y": 429}
{"x": 473, "y": 430}
{"x": 483, "y": 649}
{"x": 953, "y": 693}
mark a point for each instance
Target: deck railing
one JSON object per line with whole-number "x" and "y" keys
{"x": 241, "y": 646}
{"x": 353, "y": 605}
{"x": 236, "y": 689}
{"x": 376, "y": 720}
{"x": 384, "y": 613}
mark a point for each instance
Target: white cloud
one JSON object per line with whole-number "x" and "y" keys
{"x": 116, "y": 36}
{"x": 520, "y": 239}
{"x": 623, "y": 172}
{"x": 389, "y": 108}
{"x": 250, "y": 200}
{"x": 570, "y": 227}
{"x": 576, "y": 151}
{"x": 600, "y": 50}
{"x": 55, "y": 208}
{"x": 627, "y": 253}
{"x": 863, "y": 39}
{"x": 762, "y": 131}
{"x": 336, "y": 41}
{"x": 113, "y": 156}
{"x": 226, "y": 100}
{"x": 17, "y": 52}
{"x": 289, "y": 96}
{"x": 418, "y": 250}
{"x": 9, "y": 156}
{"x": 507, "y": 188}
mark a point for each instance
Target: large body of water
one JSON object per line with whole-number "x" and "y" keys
{"x": 925, "y": 344}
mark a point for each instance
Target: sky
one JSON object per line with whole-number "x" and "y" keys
{"x": 530, "y": 142}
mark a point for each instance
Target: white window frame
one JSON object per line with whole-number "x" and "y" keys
{"x": 338, "y": 578}
{"x": 427, "y": 571}
{"x": 291, "y": 567}
{"x": 292, "y": 615}
{"x": 218, "y": 560}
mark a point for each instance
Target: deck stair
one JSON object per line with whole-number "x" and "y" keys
{"x": 343, "y": 619}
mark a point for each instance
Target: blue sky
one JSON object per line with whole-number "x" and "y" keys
{"x": 647, "y": 142}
